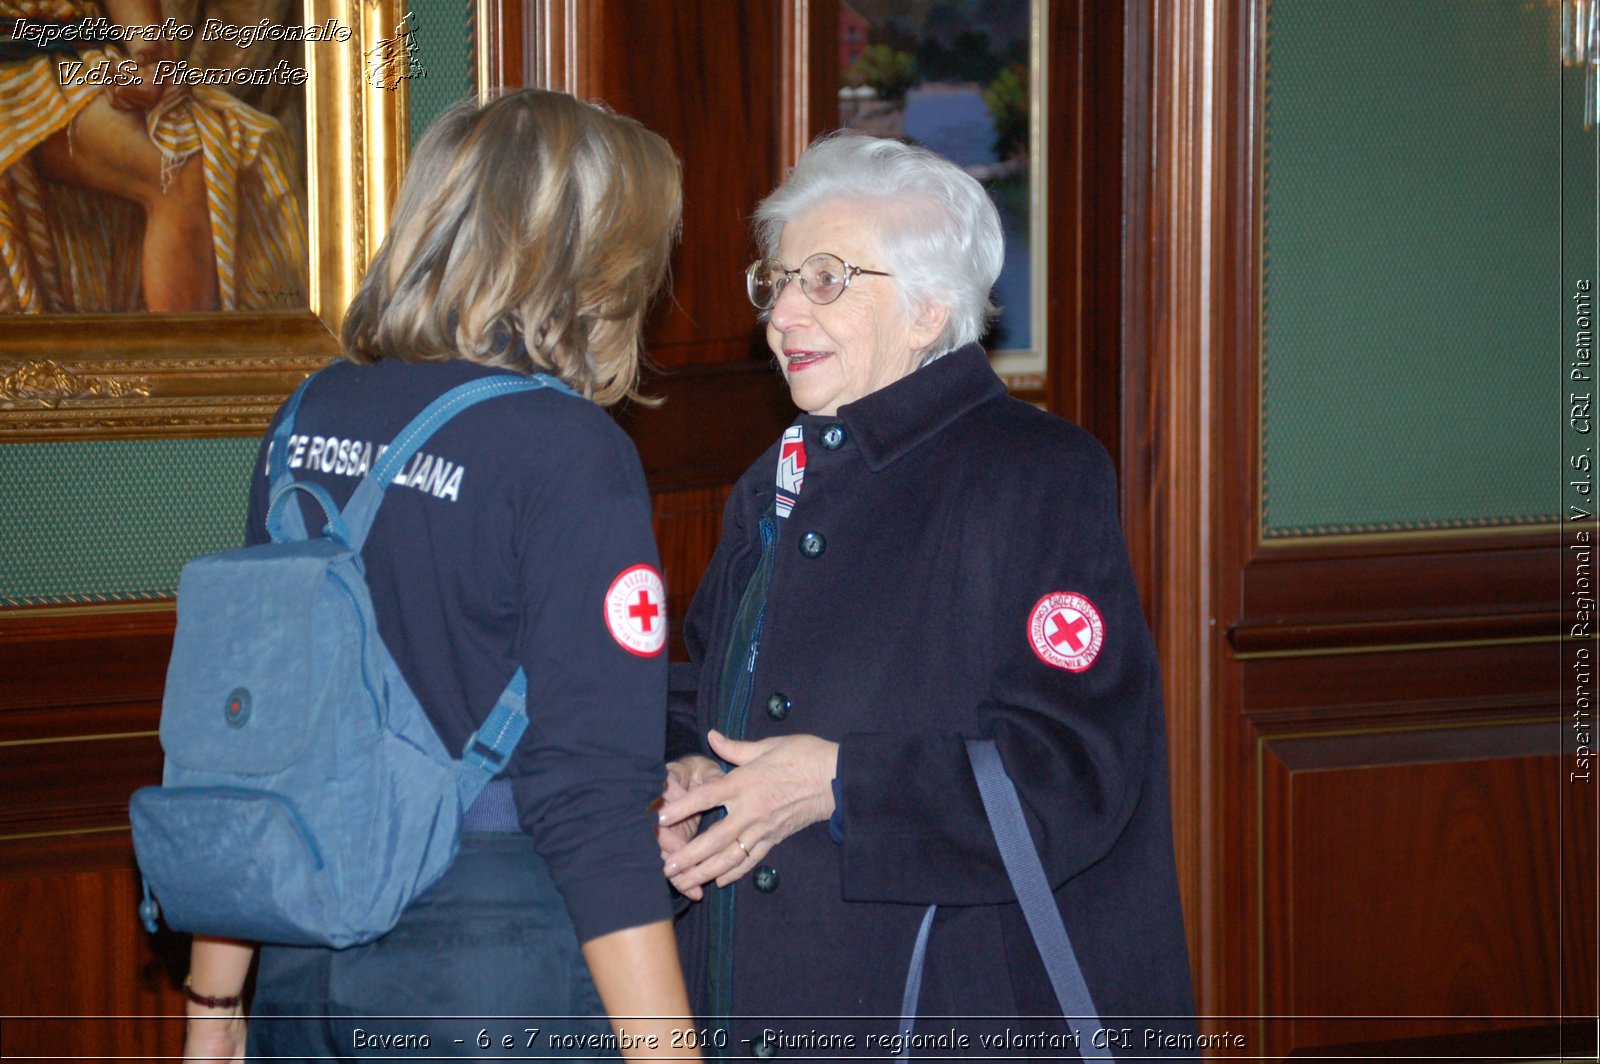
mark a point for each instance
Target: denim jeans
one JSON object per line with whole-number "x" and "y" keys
{"x": 485, "y": 964}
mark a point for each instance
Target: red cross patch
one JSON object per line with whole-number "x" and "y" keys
{"x": 636, "y": 611}
{"x": 1066, "y": 631}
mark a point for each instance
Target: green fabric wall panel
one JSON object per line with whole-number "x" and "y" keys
{"x": 1412, "y": 278}
{"x": 110, "y": 522}
{"x": 445, "y": 51}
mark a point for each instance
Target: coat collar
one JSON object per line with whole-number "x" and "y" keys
{"x": 895, "y": 419}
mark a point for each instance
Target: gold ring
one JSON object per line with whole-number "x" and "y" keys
{"x": 743, "y": 847}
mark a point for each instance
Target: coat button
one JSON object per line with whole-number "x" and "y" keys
{"x": 766, "y": 879}
{"x": 778, "y": 706}
{"x": 833, "y": 437}
{"x": 812, "y": 544}
{"x": 763, "y": 1048}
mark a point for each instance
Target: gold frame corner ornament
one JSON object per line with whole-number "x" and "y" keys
{"x": 143, "y": 376}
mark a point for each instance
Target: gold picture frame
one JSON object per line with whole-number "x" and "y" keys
{"x": 140, "y": 376}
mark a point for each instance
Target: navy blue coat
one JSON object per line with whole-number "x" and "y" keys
{"x": 961, "y": 534}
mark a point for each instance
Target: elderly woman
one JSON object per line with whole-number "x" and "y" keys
{"x": 919, "y": 561}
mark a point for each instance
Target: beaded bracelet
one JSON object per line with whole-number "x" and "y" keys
{"x": 210, "y": 1002}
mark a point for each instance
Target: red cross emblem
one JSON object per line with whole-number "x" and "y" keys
{"x": 644, "y": 611}
{"x": 1069, "y": 629}
{"x": 633, "y": 610}
{"x": 1066, "y": 631}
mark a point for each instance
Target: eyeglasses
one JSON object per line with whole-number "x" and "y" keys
{"x": 823, "y": 278}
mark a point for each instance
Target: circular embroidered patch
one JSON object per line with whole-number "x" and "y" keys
{"x": 636, "y": 610}
{"x": 1066, "y": 631}
{"x": 236, "y": 710}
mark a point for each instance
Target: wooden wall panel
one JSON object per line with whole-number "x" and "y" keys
{"x": 1365, "y": 839}
{"x": 66, "y": 784}
{"x": 78, "y": 717}
{"x": 711, "y": 78}
{"x": 1412, "y": 885}
{"x": 1579, "y": 913}
{"x": 688, "y": 526}
{"x": 714, "y": 421}
{"x": 72, "y": 949}
{"x": 705, "y": 75}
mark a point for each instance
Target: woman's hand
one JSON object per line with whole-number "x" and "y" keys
{"x": 683, "y": 776}
{"x": 777, "y": 787}
{"x": 214, "y": 1034}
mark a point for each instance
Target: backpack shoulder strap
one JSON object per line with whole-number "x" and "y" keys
{"x": 284, "y": 522}
{"x": 488, "y": 748}
{"x": 363, "y": 505}
{"x": 278, "y": 462}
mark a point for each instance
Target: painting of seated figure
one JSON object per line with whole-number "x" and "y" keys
{"x": 152, "y": 156}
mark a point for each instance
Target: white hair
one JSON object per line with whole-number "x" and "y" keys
{"x": 935, "y": 226}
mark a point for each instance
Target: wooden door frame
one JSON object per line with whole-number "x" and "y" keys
{"x": 1187, "y": 305}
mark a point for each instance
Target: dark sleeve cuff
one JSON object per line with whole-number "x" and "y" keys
{"x": 618, "y": 900}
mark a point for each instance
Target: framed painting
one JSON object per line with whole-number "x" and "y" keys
{"x": 107, "y": 330}
{"x": 965, "y": 79}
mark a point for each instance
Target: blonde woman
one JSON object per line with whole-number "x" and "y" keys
{"x": 531, "y": 236}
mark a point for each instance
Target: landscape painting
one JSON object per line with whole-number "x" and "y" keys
{"x": 957, "y": 77}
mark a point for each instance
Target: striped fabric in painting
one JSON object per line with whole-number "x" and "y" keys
{"x": 65, "y": 249}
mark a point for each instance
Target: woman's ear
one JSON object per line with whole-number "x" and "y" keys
{"x": 926, "y": 325}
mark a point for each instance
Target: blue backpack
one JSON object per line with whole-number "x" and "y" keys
{"x": 306, "y": 798}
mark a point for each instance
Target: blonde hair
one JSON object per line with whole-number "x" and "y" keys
{"x": 532, "y": 233}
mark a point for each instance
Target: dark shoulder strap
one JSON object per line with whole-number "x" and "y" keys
{"x": 1028, "y": 880}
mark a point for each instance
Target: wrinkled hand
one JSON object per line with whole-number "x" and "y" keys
{"x": 683, "y": 775}
{"x": 215, "y": 1034}
{"x": 777, "y": 787}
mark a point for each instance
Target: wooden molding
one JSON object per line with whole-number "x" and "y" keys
{"x": 1179, "y": 64}
{"x": 497, "y": 45}
{"x": 1388, "y": 635}
{"x": 1085, "y": 57}
{"x": 808, "y": 74}
{"x": 558, "y": 38}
